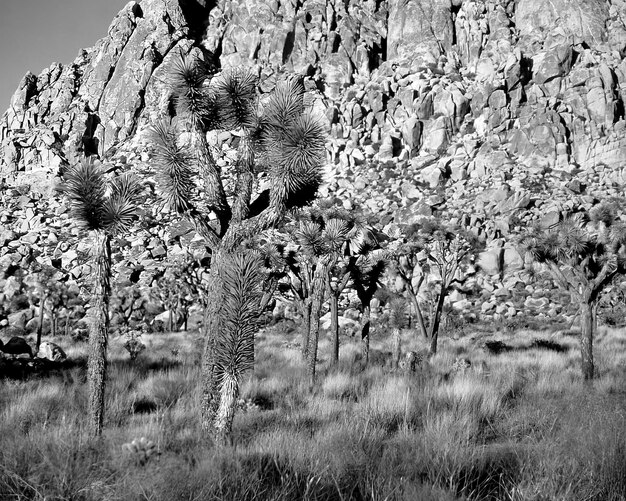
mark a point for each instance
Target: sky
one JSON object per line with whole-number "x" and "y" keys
{"x": 36, "y": 33}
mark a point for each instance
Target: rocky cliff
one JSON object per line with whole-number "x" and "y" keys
{"x": 488, "y": 112}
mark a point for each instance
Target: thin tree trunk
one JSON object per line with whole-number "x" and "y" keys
{"x": 68, "y": 317}
{"x": 397, "y": 348}
{"x": 214, "y": 192}
{"x": 334, "y": 326}
{"x": 365, "y": 330}
{"x": 588, "y": 329}
{"x": 98, "y": 336}
{"x": 42, "y": 305}
{"x": 318, "y": 290}
{"x": 434, "y": 328}
{"x": 418, "y": 313}
{"x": 229, "y": 391}
{"x": 55, "y": 322}
{"x": 306, "y": 318}
{"x": 245, "y": 178}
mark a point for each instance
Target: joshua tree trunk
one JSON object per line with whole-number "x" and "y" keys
{"x": 397, "y": 348}
{"x": 211, "y": 325}
{"x": 229, "y": 391}
{"x": 319, "y": 287}
{"x": 306, "y": 328}
{"x": 365, "y": 330}
{"x": 434, "y": 328}
{"x": 588, "y": 326}
{"x": 98, "y": 335}
{"x": 42, "y": 305}
{"x": 418, "y": 313}
{"x": 68, "y": 316}
{"x": 334, "y": 326}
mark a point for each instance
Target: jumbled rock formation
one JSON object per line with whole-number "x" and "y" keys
{"x": 490, "y": 113}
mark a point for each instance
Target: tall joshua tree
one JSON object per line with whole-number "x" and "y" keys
{"x": 320, "y": 238}
{"x": 366, "y": 271}
{"x": 279, "y": 135}
{"x": 583, "y": 253}
{"x": 104, "y": 208}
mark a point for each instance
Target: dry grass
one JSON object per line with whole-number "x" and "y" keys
{"x": 520, "y": 425}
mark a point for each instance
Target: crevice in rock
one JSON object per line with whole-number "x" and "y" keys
{"x": 255, "y": 53}
{"x": 142, "y": 92}
{"x": 526, "y": 70}
{"x": 89, "y": 142}
{"x": 114, "y": 66}
{"x": 454, "y": 10}
{"x": 196, "y": 14}
{"x": 137, "y": 10}
{"x": 290, "y": 41}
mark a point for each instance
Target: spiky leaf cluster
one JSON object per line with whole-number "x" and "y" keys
{"x": 239, "y": 313}
{"x": 582, "y": 247}
{"x": 187, "y": 80}
{"x": 234, "y": 92}
{"x": 397, "y": 313}
{"x": 292, "y": 144}
{"x": 368, "y": 269}
{"x": 99, "y": 204}
{"x": 174, "y": 162}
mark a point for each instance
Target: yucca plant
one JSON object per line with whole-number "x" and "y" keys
{"x": 105, "y": 208}
{"x": 278, "y": 135}
{"x": 584, "y": 253}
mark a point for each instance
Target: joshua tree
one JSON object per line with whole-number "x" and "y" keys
{"x": 445, "y": 251}
{"x": 126, "y": 304}
{"x": 397, "y": 310}
{"x": 584, "y": 253}
{"x": 339, "y": 277}
{"x": 282, "y": 137}
{"x": 366, "y": 272}
{"x": 105, "y": 208}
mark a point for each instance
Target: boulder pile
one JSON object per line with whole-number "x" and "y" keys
{"x": 492, "y": 114}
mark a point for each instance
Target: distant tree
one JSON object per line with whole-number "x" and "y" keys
{"x": 280, "y": 136}
{"x": 584, "y": 253}
{"x": 366, "y": 272}
{"x": 407, "y": 260}
{"x": 397, "y": 321}
{"x": 126, "y": 304}
{"x": 105, "y": 208}
{"x": 320, "y": 239}
{"x": 178, "y": 288}
{"x": 442, "y": 251}
{"x": 45, "y": 278}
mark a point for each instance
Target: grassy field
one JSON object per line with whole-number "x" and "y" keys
{"x": 521, "y": 426}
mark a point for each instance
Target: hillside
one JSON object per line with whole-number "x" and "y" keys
{"x": 489, "y": 113}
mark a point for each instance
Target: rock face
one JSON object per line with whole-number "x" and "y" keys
{"x": 490, "y": 113}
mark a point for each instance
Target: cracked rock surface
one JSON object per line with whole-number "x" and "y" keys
{"x": 490, "y": 113}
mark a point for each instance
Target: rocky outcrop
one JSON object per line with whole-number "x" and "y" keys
{"x": 490, "y": 113}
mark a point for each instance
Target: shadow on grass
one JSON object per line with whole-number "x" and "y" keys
{"x": 498, "y": 347}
